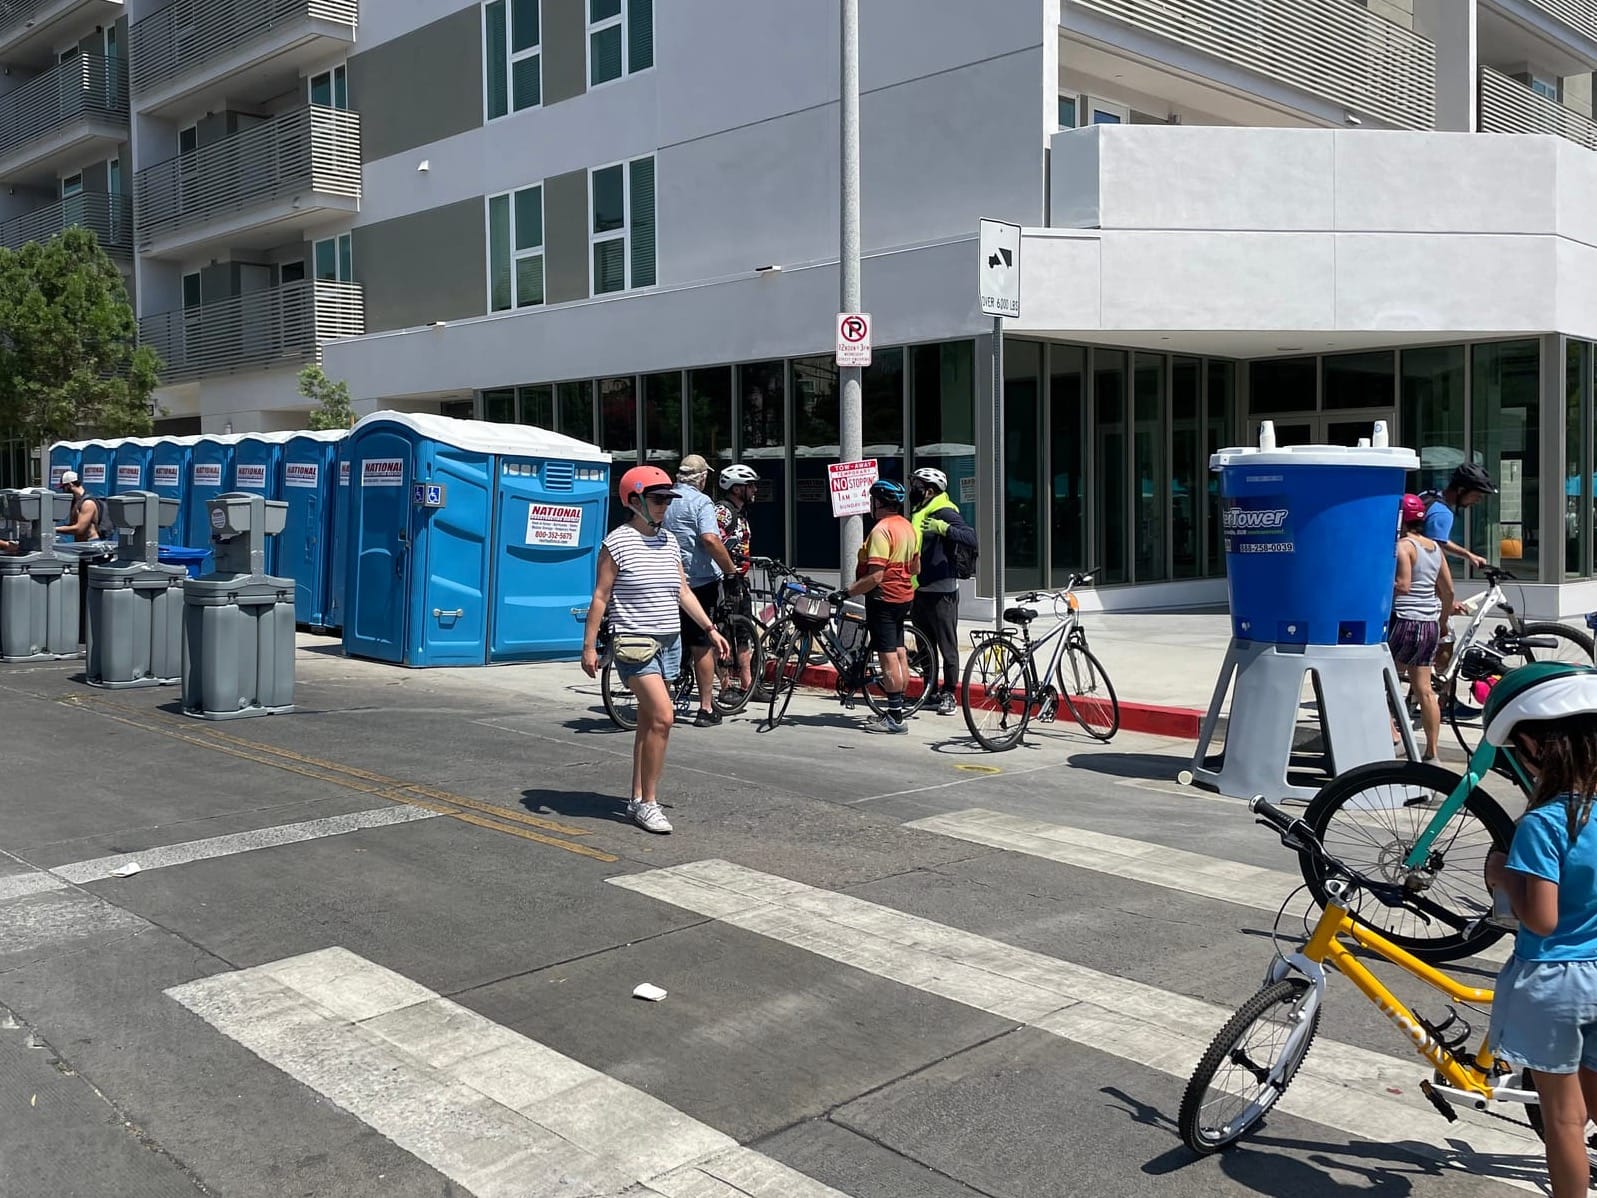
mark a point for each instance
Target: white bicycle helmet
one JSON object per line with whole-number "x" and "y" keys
{"x": 1542, "y": 690}
{"x": 737, "y": 475}
{"x": 932, "y": 477}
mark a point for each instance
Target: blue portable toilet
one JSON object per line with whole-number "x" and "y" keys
{"x": 489, "y": 534}
{"x": 169, "y": 478}
{"x": 309, "y": 488}
{"x": 131, "y": 465}
{"x": 210, "y": 474}
{"x": 338, "y": 568}
{"x": 64, "y": 456}
{"x": 258, "y": 469}
{"x": 95, "y": 466}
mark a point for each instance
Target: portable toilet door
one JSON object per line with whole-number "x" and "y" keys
{"x": 64, "y": 456}
{"x": 309, "y": 463}
{"x": 551, "y": 512}
{"x": 169, "y": 478}
{"x": 338, "y": 542}
{"x": 210, "y": 474}
{"x": 131, "y": 465}
{"x": 257, "y": 469}
{"x": 421, "y": 506}
{"x": 95, "y": 471}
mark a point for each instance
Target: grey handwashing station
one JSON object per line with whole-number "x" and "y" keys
{"x": 135, "y": 627}
{"x": 38, "y": 586}
{"x": 238, "y": 623}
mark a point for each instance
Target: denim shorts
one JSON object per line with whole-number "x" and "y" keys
{"x": 1544, "y": 1015}
{"x": 667, "y": 662}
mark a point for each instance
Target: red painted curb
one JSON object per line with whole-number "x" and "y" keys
{"x": 1150, "y": 718}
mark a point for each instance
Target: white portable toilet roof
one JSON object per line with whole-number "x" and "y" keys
{"x": 320, "y": 434}
{"x": 219, "y": 438}
{"x": 67, "y": 445}
{"x": 479, "y": 436}
{"x": 277, "y": 438}
{"x": 190, "y": 439}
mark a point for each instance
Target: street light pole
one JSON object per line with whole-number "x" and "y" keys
{"x": 851, "y": 423}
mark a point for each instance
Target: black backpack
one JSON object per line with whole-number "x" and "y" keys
{"x": 103, "y": 529}
{"x": 964, "y": 559}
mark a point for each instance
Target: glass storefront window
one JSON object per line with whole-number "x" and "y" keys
{"x": 662, "y": 422}
{"x": 943, "y": 417}
{"x": 710, "y": 431}
{"x": 1362, "y": 380}
{"x": 882, "y": 398}
{"x": 1109, "y": 457}
{"x": 1282, "y": 385}
{"x": 537, "y": 406}
{"x": 1506, "y": 436}
{"x": 574, "y": 410}
{"x": 1432, "y": 413}
{"x": 1188, "y": 466}
{"x": 1577, "y": 459}
{"x": 618, "y": 431}
{"x": 1067, "y": 421}
{"x": 1219, "y": 418}
{"x": 1149, "y": 467}
{"x": 762, "y": 395}
{"x": 1022, "y": 463}
{"x": 499, "y": 406}
{"x": 815, "y": 443}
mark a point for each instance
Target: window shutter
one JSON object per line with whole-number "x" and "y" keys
{"x": 641, "y": 228}
{"x": 640, "y": 35}
{"x": 495, "y": 62}
{"x": 499, "y": 252}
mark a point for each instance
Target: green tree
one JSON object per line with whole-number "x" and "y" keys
{"x": 70, "y": 362}
{"x": 333, "y": 409}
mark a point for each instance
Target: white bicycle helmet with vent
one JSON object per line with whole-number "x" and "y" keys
{"x": 932, "y": 477}
{"x": 1542, "y": 690}
{"x": 737, "y": 475}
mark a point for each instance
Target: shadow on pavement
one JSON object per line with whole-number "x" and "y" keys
{"x": 1130, "y": 765}
{"x": 574, "y": 804}
{"x": 588, "y": 724}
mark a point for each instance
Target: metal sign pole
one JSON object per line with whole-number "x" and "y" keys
{"x": 999, "y": 477}
{"x": 851, "y": 422}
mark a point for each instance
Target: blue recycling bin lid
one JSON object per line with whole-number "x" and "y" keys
{"x": 1311, "y": 540}
{"x": 191, "y": 559}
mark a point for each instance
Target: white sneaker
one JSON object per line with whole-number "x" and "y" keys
{"x": 648, "y": 816}
{"x": 887, "y": 724}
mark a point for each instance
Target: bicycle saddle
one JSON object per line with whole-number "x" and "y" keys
{"x": 1020, "y": 615}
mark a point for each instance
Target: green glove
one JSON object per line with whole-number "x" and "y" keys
{"x": 940, "y": 527}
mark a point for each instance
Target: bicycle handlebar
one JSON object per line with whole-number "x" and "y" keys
{"x": 1298, "y": 836}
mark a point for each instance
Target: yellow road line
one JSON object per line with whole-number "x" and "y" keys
{"x": 354, "y": 778}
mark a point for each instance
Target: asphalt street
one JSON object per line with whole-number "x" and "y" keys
{"x": 388, "y": 945}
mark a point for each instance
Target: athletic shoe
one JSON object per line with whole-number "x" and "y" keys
{"x": 706, "y": 719}
{"x": 946, "y": 704}
{"x": 887, "y": 724}
{"x": 648, "y": 816}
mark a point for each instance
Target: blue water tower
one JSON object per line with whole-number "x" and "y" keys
{"x": 1311, "y": 554}
{"x": 310, "y": 485}
{"x": 131, "y": 465}
{"x": 488, "y": 533}
{"x": 64, "y": 456}
{"x": 210, "y": 475}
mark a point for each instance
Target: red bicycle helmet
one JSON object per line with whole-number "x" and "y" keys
{"x": 641, "y": 480}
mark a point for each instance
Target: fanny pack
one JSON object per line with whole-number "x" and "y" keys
{"x": 634, "y": 648}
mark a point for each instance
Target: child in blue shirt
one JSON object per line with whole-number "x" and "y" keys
{"x": 1544, "y": 1013}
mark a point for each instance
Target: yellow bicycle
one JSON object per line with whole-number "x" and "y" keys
{"x": 1256, "y": 1054}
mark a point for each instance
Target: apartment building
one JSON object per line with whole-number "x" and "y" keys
{"x": 618, "y": 218}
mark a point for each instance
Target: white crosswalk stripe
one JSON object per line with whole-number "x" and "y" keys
{"x": 1156, "y": 864}
{"x": 495, "y": 1112}
{"x": 1340, "y": 1085}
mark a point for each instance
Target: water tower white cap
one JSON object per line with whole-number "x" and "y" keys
{"x": 1266, "y": 435}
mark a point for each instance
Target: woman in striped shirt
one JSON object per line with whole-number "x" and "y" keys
{"x": 642, "y": 587}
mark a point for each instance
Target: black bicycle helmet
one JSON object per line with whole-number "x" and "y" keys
{"x": 1470, "y": 477}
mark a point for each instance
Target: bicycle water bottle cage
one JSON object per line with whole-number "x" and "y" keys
{"x": 1444, "y": 1033}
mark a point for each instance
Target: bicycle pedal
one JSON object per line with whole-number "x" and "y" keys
{"x": 1437, "y": 1101}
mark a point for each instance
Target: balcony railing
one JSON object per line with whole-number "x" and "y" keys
{"x": 187, "y": 35}
{"x": 85, "y": 87}
{"x": 282, "y": 326}
{"x": 109, "y": 216}
{"x": 20, "y": 16}
{"x": 1579, "y": 15}
{"x": 306, "y": 151}
{"x": 1332, "y": 49}
{"x": 1508, "y": 106}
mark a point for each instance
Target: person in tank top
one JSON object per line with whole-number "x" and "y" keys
{"x": 1421, "y": 606}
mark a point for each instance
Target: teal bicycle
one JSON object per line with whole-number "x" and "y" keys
{"x": 1428, "y": 831}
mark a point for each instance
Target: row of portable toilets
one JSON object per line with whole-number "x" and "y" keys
{"x": 425, "y": 540}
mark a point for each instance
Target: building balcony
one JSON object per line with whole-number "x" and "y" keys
{"x": 109, "y": 217}
{"x": 1558, "y": 36}
{"x": 255, "y": 189}
{"x": 1508, "y": 106}
{"x": 1332, "y": 50}
{"x": 196, "y": 53}
{"x": 30, "y": 30}
{"x": 278, "y": 327}
{"x": 71, "y": 113}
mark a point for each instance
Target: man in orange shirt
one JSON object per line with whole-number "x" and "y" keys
{"x": 886, "y": 573}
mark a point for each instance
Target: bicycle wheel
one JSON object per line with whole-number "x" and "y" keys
{"x": 999, "y": 694}
{"x": 785, "y": 678}
{"x": 1088, "y": 694}
{"x": 921, "y": 664}
{"x": 1248, "y": 1067}
{"x": 1533, "y": 1113}
{"x": 1370, "y": 817}
{"x": 1501, "y": 653}
{"x": 620, "y": 704}
{"x": 742, "y": 633}
{"x": 774, "y": 642}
